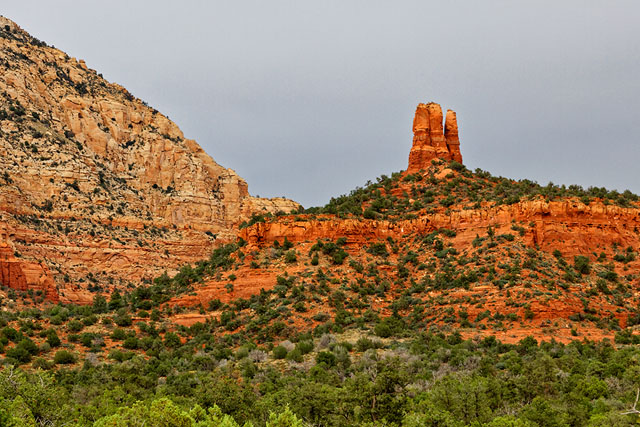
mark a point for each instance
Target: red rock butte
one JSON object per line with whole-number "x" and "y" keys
{"x": 430, "y": 140}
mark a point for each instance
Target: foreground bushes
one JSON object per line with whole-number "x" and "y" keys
{"x": 427, "y": 380}
{"x": 164, "y": 412}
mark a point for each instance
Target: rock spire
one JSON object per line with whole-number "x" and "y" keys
{"x": 431, "y": 140}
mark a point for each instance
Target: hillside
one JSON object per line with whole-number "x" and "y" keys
{"x": 143, "y": 285}
{"x": 446, "y": 246}
{"x": 98, "y": 190}
{"x": 435, "y": 296}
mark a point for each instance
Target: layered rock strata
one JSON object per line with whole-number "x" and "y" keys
{"x": 96, "y": 185}
{"x": 569, "y": 226}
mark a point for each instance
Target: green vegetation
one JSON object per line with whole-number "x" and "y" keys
{"x": 425, "y": 379}
{"x": 386, "y": 199}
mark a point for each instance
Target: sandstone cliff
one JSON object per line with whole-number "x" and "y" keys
{"x": 569, "y": 226}
{"x": 96, "y": 187}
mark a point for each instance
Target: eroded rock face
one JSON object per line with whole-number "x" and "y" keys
{"x": 430, "y": 140}
{"x": 24, "y": 275}
{"x": 451, "y": 136}
{"x": 97, "y": 186}
{"x": 569, "y": 226}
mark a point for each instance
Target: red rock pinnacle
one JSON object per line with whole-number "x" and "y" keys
{"x": 430, "y": 140}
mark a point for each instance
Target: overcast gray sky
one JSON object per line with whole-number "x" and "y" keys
{"x": 308, "y": 99}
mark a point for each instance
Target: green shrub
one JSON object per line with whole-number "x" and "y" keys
{"x": 327, "y": 358}
{"x": 172, "y": 340}
{"x": 290, "y": 257}
{"x": 295, "y": 355}
{"x": 11, "y": 334}
{"x": 19, "y": 354}
{"x": 64, "y": 357}
{"x": 118, "y": 334}
{"x": 130, "y": 343}
{"x": 123, "y": 320}
{"x": 75, "y": 326}
{"x": 305, "y": 346}
{"x": 279, "y": 352}
{"x": 378, "y": 249}
{"x": 363, "y": 344}
{"x": 52, "y": 338}
{"x": 581, "y": 264}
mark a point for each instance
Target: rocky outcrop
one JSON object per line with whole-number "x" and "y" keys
{"x": 569, "y": 226}
{"x": 96, "y": 184}
{"x": 451, "y": 136}
{"x": 22, "y": 275}
{"x": 430, "y": 140}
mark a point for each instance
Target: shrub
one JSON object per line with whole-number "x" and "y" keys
{"x": 42, "y": 363}
{"x": 339, "y": 257}
{"x": 100, "y": 304}
{"x": 326, "y": 357}
{"x": 172, "y": 340}
{"x": 64, "y": 357}
{"x": 130, "y": 343}
{"x": 383, "y": 330}
{"x": 10, "y": 333}
{"x": 363, "y": 344}
{"x": 123, "y": 320}
{"x": 75, "y": 326}
{"x": 120, "y": 356}
{"x": 581, "y": 264}
{"x": 305, "y": 347}
{"x": 378, "y": 249}
{"x": 286, "y": 245}
{"x": 290, "y": 257}
{"x": 388, "y": 327}
{"x": 29, "y": 346}
{"x": 295, "y": 355}
{"x": 118, "y": 334}
{"x": 19, "y": 354}
{"x": 279, "y": 352}
{"x": 87, "y": 339}
{"x": 52, "y": 338}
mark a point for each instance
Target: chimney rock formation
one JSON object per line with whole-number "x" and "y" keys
{"x": 430, "y": 140}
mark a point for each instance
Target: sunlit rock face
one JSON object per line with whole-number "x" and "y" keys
{"x": 96, "y": 188}
{"x": 431, "y": 140}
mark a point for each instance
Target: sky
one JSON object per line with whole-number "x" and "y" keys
{"x": 309, "y": 99}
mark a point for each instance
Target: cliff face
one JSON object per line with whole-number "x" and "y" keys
{"x": 95, "y": 184}
{"x": 24, "y": 275}
{"x": 430, "y": 140}
{"x": 569, "y": 226}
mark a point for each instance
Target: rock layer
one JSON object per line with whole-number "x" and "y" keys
{"x": 22, "y": 275}
{"x": 98, "y": 186}
{"x": 431, "y": 140}
{"x": 569, "y": 226}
